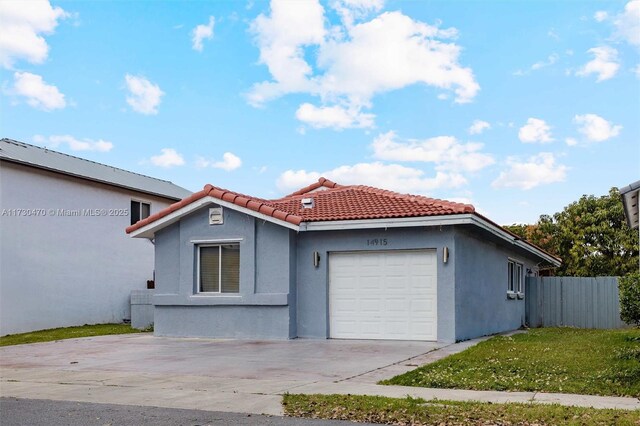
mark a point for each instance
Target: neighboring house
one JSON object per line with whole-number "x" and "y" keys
{"x": 334, "y": 261}
{"x": 630, "y": 195}
{"x": 64, "y": 257}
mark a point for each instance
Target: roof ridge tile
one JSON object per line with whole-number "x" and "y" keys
{"x": 322, "y": 181}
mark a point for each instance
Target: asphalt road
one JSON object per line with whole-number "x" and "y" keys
{"x": 19, "y": 412}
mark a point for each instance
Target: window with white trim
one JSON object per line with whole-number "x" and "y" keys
{"x": 515, "y": 277}
{"x": 139, "y": 210}
{"x": 219, "y": 268}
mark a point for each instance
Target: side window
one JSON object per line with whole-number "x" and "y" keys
{"x": 139, "y": 210}
{"x": 510, "y": 283}
{"x": 515, "y": 278}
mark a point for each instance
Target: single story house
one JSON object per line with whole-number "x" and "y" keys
{"x": 63, "y": 257}
{"x": 335, "y": 261}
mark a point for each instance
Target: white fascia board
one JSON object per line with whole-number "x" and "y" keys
{"x": 514, "y": 240}
{"x": 339, "y": 225}
{"x": 632, "y": 214}
{"x": 148, "y": 231}
{"x": 443, "y": 220}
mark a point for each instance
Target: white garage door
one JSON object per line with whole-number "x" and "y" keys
{"x": 383, "y": 295}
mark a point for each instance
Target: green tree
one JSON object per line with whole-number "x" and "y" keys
{"x": 629, "y": 287}
{"x": 591, "y": 236}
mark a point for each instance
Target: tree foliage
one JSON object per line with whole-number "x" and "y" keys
{"x": 629, "y": 289}
{"x": 591, "y": 236}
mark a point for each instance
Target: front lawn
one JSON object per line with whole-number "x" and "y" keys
{"x": 66, "y": 333}
{"x": 414, "y": 411}
{"x": 565, "y": 360}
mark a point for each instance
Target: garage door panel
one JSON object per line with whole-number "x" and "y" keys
{"x": 371, "y": 284}
{"x": 383, "y": 295}
{"x": 396, "y": 329}
{"x": 370, "y": 305}
{"x": 346, "y": 305}
{"x": 419, "y": 306}
{"x": 396, "y": 306}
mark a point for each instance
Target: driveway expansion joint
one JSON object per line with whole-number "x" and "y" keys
{"x": 392, "y": 364}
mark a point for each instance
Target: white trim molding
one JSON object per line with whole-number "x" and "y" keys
{"x": 149, "y": 230}
{"x": 442, "y": 220}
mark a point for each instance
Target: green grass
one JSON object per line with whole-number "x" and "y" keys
{"x": 66, "y": 333}
{"x": 413, "y": 411}
{"x": 566, "y": 360}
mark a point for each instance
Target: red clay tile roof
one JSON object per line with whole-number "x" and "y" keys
{"x": 321, "y": 183}
{"x": 336, "y": 202}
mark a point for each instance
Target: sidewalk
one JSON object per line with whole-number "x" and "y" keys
{"x": 470, "y": 395}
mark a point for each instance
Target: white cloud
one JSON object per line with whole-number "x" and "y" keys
{"x": 335, "y": 117}
{"x": 552, "y": 59}
{"x": 354, "y": 61}
{"x": 628, "y": 23}
{"x": 202, "y": 32}
{"x": 600, "y": 16}
{"x": 229, "y": 162}
{"x": 388, "y": 176}
{"x": 596, "y": 128}
{"x": 75, "y": 144}
{"x": 445, "y": 151}
{"x": 478, "y": 126}
{"x": 535, "y": 130}
{"x": 144, "y": 96}
{"x": 352, "y": 10}
{"x": 541, "y": 169}
{"x": 37, "y": 92}
{"x": 571, "y": 141}
{"x": 605, "y": 63}
{"x": 390, "y": 52}
{"x": 281, "y": 38}
{"x": 23, "y": 25}
{"x": 169, "y": 158}
{"x": 636, "y": 70}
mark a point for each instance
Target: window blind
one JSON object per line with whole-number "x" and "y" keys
{"x": 230, "y": 269}
{"x": 209, "y": 269}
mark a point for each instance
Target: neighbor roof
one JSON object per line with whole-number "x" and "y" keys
{"x": 630, "y": 195}
{"x": 335, "y": 206}
{"x": 44, "y": 158}
{"x": 335, "y": 202}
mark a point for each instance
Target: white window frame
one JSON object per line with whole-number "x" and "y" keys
{"x": 219, "y": 244}
{"x": 140, "y": 203}
{"x": 515, "y": 288}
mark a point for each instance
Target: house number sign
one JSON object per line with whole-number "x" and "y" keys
{"x": 377, "y": 242}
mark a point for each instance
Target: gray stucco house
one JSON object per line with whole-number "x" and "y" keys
{"x": 335, "y": 261}
{"x": 64, "y": 259}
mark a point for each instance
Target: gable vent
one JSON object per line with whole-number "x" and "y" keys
{"x": 308, "y": 203}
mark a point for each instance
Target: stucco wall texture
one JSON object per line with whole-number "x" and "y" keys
{"x": 283, "y": 295}
{"x": 60, "y": 270}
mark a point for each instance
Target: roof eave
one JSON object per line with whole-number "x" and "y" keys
{"x": 149, "y": 230}
{"x": 88, "y": 178}
{"x": 630, "y": 195}
{"x": 439, "y": 220}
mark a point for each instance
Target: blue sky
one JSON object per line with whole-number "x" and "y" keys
{"x": 516, "y": 107}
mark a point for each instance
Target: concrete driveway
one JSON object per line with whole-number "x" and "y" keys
{"x": 223, "y": 375}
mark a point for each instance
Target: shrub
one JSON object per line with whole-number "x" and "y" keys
{"x": 629, "y": 289}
